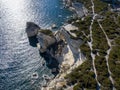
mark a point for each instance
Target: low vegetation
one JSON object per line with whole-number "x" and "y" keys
{"x": 114, "y": 61}
{"x": 47, "y": 32}
{"x": 84, "y": 76}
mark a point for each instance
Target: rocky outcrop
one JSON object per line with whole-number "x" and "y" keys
{"x": 58, "y": 44}
{"x": 32, "y": 29}
{"x": 59, "y": 50}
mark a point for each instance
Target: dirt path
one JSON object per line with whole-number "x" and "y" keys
{"x": 108, "y": 53}
{"x": 91, "y": 45}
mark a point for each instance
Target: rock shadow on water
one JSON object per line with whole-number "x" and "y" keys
{"x": 33, "y": 41}
{"x": 51, "y": 62}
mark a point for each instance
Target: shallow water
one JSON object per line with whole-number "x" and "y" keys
{"x": 19, "y": 60}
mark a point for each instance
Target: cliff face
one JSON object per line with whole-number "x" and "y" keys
{"x": 45, "y": 41}
{"x": 64, "y": 49}
{"x": 70, "y": 45}
{"x": 66, "y": 52}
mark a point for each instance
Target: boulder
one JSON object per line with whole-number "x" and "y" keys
{"x": 53, "y": 26}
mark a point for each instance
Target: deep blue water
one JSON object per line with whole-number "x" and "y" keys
{"x": 19, "y": 60}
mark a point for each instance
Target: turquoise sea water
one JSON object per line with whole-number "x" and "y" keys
{"x": 19, "y": 60}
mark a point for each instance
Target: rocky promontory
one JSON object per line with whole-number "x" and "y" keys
{"x": 58, "y": 48}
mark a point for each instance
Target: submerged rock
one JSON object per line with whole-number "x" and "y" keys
{"x": 53, "y": 26}
{"x": 35, "y": 75}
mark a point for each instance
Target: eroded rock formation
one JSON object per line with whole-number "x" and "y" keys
{"x": 58, "y": 49}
